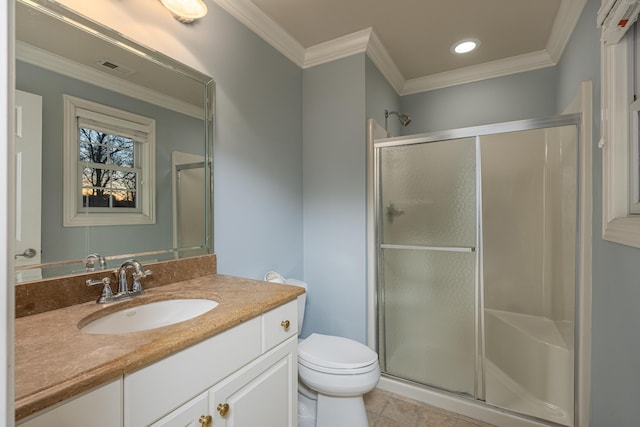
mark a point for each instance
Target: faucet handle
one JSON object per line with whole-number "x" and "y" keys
{"x": 137, "y": 286}
{"x": 142, "y": 274}
{"x": 107, "y": 294}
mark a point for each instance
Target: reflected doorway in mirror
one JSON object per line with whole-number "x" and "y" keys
{"x": 28, "y": 146}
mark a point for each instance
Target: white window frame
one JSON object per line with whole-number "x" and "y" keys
{"x": 72, "y": 215}
{"x": 618, "y": 224}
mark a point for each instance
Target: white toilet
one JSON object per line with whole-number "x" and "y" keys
{"x": 333, "y": 374}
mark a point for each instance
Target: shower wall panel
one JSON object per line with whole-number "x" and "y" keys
{"x": 529, "y": 221}
{"x": 513, "y": 221}
{"x": 529, "y": 216}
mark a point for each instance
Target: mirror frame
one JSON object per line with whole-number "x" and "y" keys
{"x": 77, "y": 266}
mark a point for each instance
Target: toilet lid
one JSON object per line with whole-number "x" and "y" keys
{"x": 328, "y": 351}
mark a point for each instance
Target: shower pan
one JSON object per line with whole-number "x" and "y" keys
{"x": 476, "y": 263}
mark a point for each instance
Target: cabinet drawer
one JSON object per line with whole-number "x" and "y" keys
{"x": 157, "y": 389}
{"x": 274, "y": 325}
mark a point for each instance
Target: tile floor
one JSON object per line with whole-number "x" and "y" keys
{"x": 386, "y": 409}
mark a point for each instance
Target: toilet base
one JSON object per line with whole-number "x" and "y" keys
{"x": 306, "y": 407}
{"x": 341, "y": 412}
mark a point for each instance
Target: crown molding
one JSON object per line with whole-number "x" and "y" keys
{"x": 566, "y": 21}
{"x": 60, "y": 65}
{"x": 474, "y": 73}
{"x": 250, "y": 15}
{"x": 335, "y": 49}
{"x": 270, "y": 31}
{"x": 379, "y": 55}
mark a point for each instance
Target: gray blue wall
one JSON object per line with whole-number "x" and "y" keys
{"x": 515, "y": 97}
{"x": 334, "y": 198}
{"x": 615, "y": 373}
{"x": 380, "y": 96}
{"x": 257, "y": 153}
{"x": 338, "y": 98}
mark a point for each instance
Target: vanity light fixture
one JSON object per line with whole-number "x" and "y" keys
{"x": 465, "y": 46}
{"x": 186, "y": 11}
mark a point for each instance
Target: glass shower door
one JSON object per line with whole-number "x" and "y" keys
{"x": 427, "y": 225}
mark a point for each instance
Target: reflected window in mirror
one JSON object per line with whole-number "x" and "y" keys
{"x": 108, "y": 165}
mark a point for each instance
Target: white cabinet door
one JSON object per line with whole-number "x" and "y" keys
{"x": 101, "y": 407}
{"x": 187, "y": 415}
{"x": 262, "y": 394}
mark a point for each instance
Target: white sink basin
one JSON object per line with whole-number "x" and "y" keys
{"x": 149, "y": 316}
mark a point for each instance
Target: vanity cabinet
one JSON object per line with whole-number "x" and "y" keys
{"x": 251, "y": 369}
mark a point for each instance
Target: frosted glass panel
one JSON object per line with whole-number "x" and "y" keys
{"x": 429, "y": 317}
{"x": 429, "y": 193}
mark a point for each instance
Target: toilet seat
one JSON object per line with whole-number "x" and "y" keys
{"x": 336, "y": 355}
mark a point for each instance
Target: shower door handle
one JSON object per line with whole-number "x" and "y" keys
{"x": 430, "y": 248}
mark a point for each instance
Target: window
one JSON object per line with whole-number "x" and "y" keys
{"x": 109, "y": 166}
{"x": 620, "y": 143}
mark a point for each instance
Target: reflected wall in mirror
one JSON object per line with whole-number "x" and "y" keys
{"x": 59, "y": 52}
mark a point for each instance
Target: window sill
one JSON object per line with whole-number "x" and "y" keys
{"x": 95, "y": 219}
{"x": 623, "y": 230}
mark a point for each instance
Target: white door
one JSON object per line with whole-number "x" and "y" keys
{"x": 28, "y": 142}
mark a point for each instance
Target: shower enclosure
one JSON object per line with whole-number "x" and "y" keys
{"x": 188, "y": 191}
{"x": 476, "y": 263}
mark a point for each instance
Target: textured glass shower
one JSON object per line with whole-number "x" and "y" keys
{"x": 429, "y": 262}
{"x": 475, "y": 238}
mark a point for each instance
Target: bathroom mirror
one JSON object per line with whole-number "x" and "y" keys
{"x": 61, "y": 55}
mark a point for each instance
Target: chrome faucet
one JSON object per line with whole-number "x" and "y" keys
{"x": 90, "y": 264}
{"x": 123, "y": 285}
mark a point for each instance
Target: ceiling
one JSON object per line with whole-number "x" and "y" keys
{"x": 410, "y": 40}
{"x": 79, "y": 52}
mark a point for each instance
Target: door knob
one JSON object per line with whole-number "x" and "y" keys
{"x": 285, "y": 324}
{"x": 223, "y": 409}
{"x": 205, "y": 420}
{"x": 28, "y": 253}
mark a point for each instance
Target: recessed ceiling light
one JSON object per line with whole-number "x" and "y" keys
{"x": 465, "y": 46}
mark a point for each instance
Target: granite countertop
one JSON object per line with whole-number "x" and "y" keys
{"x": 54, "y": 360}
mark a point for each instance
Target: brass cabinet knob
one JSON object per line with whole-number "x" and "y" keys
{"x": 223, "y": 409}
{"x": 205, "y": 420}
{"x": 285, "y": 324}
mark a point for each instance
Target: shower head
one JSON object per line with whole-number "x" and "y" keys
{"x": 404, "y": 119}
